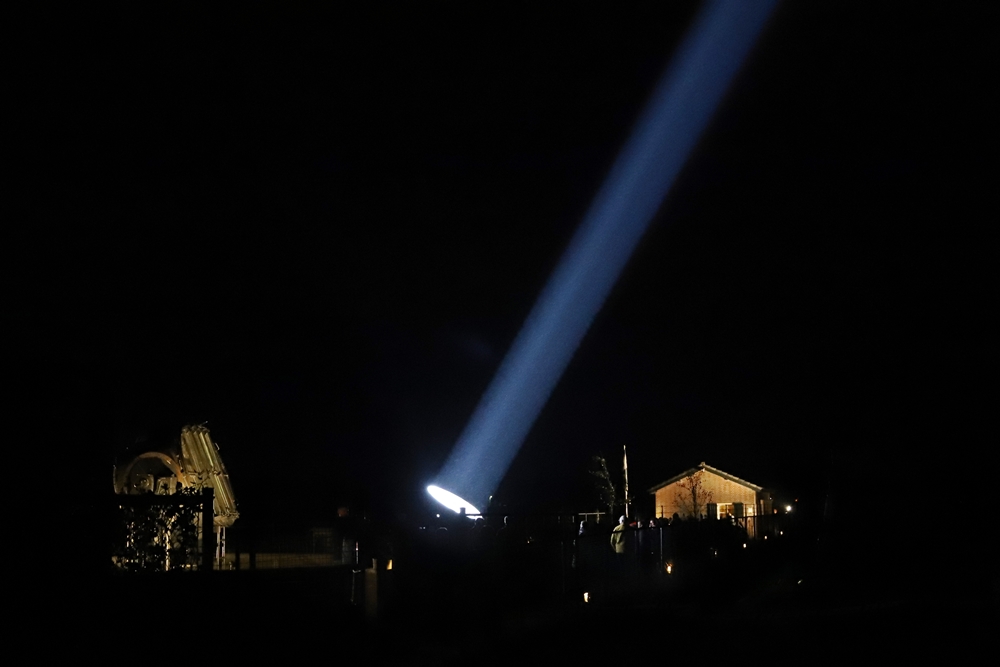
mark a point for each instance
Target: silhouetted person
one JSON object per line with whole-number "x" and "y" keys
{"x": 581, "y": 546}
{"x": 481, "y": 538}
{"x": 505, "y": 536}
{"x": 582, "y": 532}
{"x": 509, "y": 562}
{"x": 650, "y": 543}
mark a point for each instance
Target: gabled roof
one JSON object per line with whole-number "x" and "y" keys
{"x": 703, "y": 466}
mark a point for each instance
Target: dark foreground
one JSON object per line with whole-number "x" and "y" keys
{"x": 436, "y": 608}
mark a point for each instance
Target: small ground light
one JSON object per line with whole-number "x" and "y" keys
{"x": 781, "y": 532}
{"x": 744, "y": 545}
{"x": 586, "y": 597}
{"x": 670, "y": 568}
{"x": 788, "y": 508}
{"x": 389, "y": 565}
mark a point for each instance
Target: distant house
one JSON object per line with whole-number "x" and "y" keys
{"x": 704, "y": 492}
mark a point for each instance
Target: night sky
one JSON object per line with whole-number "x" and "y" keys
{"x": 320, "y": 232}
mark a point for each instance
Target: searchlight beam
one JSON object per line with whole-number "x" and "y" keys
{"x": 682, "y": 105}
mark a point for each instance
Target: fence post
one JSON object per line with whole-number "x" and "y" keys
{"x": 207, "y": 528}
{"x": 562, "y": 564}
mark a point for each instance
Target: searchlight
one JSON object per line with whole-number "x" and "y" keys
{"x": 451, "y": 501}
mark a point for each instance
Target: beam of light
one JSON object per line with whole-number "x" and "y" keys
{"x": 451, "y": 501}
{"x": 682, "y": 104}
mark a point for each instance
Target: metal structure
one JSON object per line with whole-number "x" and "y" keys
{"x": 196, "y": 465}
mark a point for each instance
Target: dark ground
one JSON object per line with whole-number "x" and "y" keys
{"x": 283, "y": 616}
{"x": 777, "y": 601}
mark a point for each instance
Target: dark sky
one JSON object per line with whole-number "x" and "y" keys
{"x": 319, "y": 232}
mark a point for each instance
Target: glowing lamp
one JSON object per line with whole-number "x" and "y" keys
{"x": 451, "y": 501}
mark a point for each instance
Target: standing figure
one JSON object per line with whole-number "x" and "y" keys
{"x": 618, "y": 536}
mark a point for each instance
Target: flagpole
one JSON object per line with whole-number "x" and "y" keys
{"x": 625, "y": 468}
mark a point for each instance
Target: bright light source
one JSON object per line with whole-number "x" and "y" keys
{"x": 788, "y": 508}
{"x": 586, "y": 597}
{"x": 670, "y": 568}
{"x": 389, "y": 566}
{"x": 744, "y": 545}
{"x": 451, "y": 501}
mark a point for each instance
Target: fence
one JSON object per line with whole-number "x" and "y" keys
{"x": 311, "y": 548}
{"x": 164, "y": 532}
{"x": 757, "y": 524}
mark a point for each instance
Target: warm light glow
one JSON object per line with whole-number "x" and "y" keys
{"x": 389, "y": 566}
{"x": 586, "y": 597}
{"x": 744, "y": 545}
{"x": 788, "y": 508}
{"x": 670, "y": 568}
{"x": 451, "y": 501}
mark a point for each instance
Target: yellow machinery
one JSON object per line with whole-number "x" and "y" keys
{"x": 197, "y": 465}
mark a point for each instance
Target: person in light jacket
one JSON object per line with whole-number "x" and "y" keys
{"x": 618, "y": 536}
